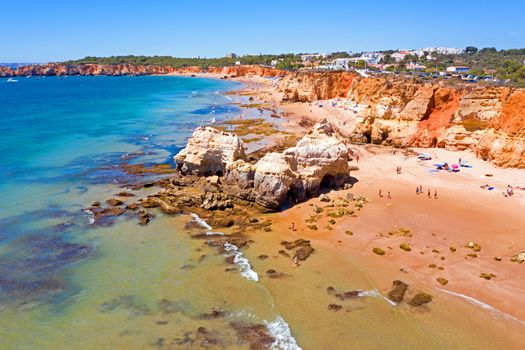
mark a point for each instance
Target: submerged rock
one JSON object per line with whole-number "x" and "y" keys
{"x": 397, "y": 293}
{"x": 334, "y": 307}
{"x": 271, "y": 273}
{"x": 420, "y": 299}
{"x": 256, "y": 335}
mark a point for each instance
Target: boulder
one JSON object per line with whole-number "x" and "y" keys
{"x": 317, "y": 163}
{"x": 208, "y": 151}
{"x": 273, "y": 179}
{"x": 321, "y": 159}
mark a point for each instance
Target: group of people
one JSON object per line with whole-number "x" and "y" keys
{"x": 419, "y": 190}
{"x": 381, "y": 194}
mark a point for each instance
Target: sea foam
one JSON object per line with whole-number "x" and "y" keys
{"x": 280, "y": 330}
{"x": 481, "y": 304}
{"x": 375, "y": 294}
{"x": 233, "y": 250}
{"x": 244, "y": 263}
{"x": 204, "y": 224}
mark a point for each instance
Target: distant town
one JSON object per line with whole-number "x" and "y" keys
{"x": 429, "y": 62}
{"x": 469, "y": 64}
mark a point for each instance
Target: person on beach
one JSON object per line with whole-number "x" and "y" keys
{"x": 389, "y": 197}
{"x": 510, "y": 190}
{"x": 292, "y": 227}
{"x": 417, "y": 189}
{"x": 428, "y": 193}
{"x": 435, "y": 194}
{"x": 357, "y": 158}
{"x": 380, "y": 194}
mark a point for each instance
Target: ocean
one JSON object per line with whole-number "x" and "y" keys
{"x": 63, "y": 282}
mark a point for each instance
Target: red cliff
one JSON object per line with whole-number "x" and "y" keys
{"x": 489, "y": 121}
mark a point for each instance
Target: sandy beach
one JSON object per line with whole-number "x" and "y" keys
{"x": 440, "y": 228}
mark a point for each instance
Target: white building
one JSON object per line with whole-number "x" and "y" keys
{"x": 457, "y": 69}
{"x": 312, "y": 57}
{"x": 440, "y": 50}
{"x": 341, "y": 63}
{"x": 399, "y": 56}
{"x": 372, "y": 57}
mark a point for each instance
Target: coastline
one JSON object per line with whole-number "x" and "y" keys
{"x": 255, "y": 258}
{"x": 462, "y": 213}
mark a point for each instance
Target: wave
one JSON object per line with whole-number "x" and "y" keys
{"x": 481, "y": 304}
{"x": 244, "y": 263}
{"x": 280, "y": 330}
{"x": 232, "y": 249}
{"x": 375, "y": 294}
{"x": 204, "y": 224}
{"x": 90, "y": 215}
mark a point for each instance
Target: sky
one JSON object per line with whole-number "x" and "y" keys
{"x": 56, "y": 30}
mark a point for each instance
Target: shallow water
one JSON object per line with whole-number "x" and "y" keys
{"x": 61, "y": 279}
{"x": 65, "y": 284}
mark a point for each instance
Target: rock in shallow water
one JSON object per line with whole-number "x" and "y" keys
{"x": 397, "y": 293}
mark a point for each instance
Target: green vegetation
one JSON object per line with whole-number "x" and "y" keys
{"x": 288, "y": 60}
{"x": 503, "y": 64}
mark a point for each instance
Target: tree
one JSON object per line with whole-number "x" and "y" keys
{"x": 360, "y": 64}
{"x": 471, "y": 50}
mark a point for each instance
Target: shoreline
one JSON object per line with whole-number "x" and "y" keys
{"x": 461, "y": 190}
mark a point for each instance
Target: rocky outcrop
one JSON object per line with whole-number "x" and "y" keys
{"x": 318, "y": 162}
{"x": 312, "y": 86}
{"x": 60, "y": 69}
{"x": 504, "y": 140}
{"x": 208, "y": 151}
{"x": 246, "y": 70}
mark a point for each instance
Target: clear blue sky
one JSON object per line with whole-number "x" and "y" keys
{"x": 53, "y": 30}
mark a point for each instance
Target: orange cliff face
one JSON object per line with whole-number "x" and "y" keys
{"x": 53, "y": 69}
{"x": 248, "y": 70}
{"x": 503, "y": 142}
{"x": 489, "y": 121}
{"x": 312, "y": 86}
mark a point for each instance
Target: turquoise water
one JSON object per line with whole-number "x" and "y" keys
{"x": 66, "y": 283}
{"x": 63, "y": 131}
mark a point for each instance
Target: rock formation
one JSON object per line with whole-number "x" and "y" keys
{"x": 312, "y": 86}
{"x": 58, "y": 69}
{"x": 209, "y": 151}
{"x": 487, "y": 120}
{"x": 317, "y": 163}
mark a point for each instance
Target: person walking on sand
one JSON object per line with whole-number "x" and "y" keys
{"x": 428, "y": 193}
{"x": 417, "y": 189}
{"x": 357, "y": 158}
{"x": 380, "y": 194}
{"x": 292, "y": 227}
{"x": 435, "y": 194}
{"x": 389, "y": 197}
